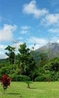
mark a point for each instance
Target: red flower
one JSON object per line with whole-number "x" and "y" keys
{"x": 5, "y": 81}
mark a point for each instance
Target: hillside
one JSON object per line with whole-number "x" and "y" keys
{"x": 50, "y": 49}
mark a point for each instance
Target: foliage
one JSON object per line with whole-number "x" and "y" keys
{"x": 28, "y": 83}
{"x": 5, "y": 81}
{"x": 28, "y": 65}
{"x": 40, "y": 78}
{"x": 54, "y": 67}
{"x": 27, "y": 62}
{"x": 10, "y": 54}
{"x": 15, "y": 77}
{"x": 43, "y": 59}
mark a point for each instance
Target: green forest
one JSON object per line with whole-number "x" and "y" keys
{"x": 29, "y": 65}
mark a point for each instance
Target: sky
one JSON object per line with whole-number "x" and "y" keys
{"x": 28, "y": 21}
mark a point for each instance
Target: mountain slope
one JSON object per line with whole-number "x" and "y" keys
{"x": 50, "y": 49}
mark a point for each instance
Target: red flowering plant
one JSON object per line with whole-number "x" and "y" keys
{"x": 5, "y": 81}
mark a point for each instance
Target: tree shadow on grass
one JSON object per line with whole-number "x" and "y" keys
{"x": 15, "y": 94}
{"x": 32, "y": 88}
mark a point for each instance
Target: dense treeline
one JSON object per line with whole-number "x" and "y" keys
{"x": 25, "y": 66}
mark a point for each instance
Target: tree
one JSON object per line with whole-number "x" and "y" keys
{"x": 43, "y": 59}
{"x": 54, "y": 67}
{"x": 10, "y": 54}
{"x": 26, "y": 60}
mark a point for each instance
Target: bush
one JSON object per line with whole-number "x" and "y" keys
{"x": 5, "y": 81}
{"x": 54, "y": 76}
{"x": 43, "y": 77}
{"x": 0, "y": 76}
{"x": 40, "y": 78}
{"x": 28, "y": 83}
{"x": 4, "y": 70}
{"x": 15, "y": 77}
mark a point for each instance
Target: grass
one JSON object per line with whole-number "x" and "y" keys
{"x": 37, "y": 90}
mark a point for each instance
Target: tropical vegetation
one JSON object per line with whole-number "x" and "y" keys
{"x": 28, "y": 65}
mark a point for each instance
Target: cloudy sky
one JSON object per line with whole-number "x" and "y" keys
{"x": 30, "y": 21}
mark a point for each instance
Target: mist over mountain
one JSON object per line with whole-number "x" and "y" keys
{"x": 50, "y": 49}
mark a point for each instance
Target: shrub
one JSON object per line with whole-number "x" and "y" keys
{"x": 5, "y": 81}
{"x": 28, "y": 83}
{"x": 40, "y": 78}
{"x": 54, "y": 76}
{"x": 16, "y": 77}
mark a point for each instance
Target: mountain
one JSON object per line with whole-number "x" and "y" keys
{"x": 50, "y": 49}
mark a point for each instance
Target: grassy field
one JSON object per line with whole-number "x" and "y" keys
{"x": 37, "y": 90}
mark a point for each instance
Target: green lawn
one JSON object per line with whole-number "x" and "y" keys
{"x": 37, "y": 90}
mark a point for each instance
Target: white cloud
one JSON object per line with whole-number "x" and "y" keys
{"x": 6, "y": 33}
{"x": 57, "y": 41}
{"x": 2, "y": 47}
{"x": 31, "y": 8}
{"x": 2, "y": 51}
{"x": 2, "y": 55}
{"x": 20, "y": 38}
{"x": 37, "y": 41}
{"x": 54, "y": 38}
{"x": 54, "y": 30}
{"x": 17, "y": 40}
{"x": 51, "y": 19}
{"x": 16, "y": 45}
{"x": 48, "y": 19}
{"x": 25, "y": 29}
